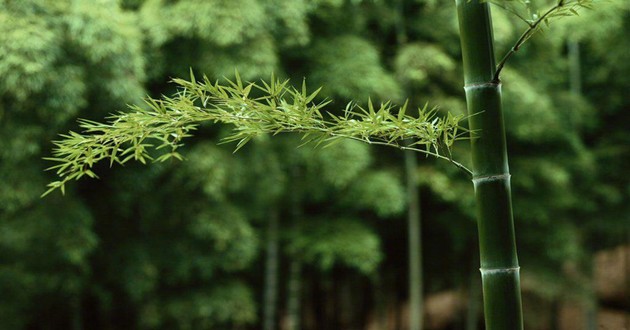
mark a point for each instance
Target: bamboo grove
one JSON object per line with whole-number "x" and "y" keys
{"x": 156, "y": 130}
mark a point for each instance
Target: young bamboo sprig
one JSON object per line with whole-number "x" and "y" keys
{"x": 562, "y": 8}
{"x": 252, "y": 109}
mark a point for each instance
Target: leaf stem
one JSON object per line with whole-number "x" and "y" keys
{"x": 397, "y": 146}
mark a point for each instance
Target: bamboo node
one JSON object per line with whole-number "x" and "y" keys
{"x": 491, "y": 178}
{"x": 492, "y": 84}
{"x": 506, "y": 270}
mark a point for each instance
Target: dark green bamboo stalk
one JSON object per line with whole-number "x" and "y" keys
{"x": 271, "y": 272}
{"x": 414, "y": 221}
{"x": 474, "y": 298}
{"x": 491, "y": 178}
{"x": 575, "y": 67}
{"x": 295, "y": 268}
{"x": 293, "y": 295}
{"x": 575, "y": 86}
{"x": 415, "y": 243}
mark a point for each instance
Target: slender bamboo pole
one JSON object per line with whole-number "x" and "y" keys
{"x": 491, "y": 178}
{"x": 414, "y": 221}
{"x": 293, "y": 295}
{"x": 295, "y": 268}
{"x": 575, "y": 86}
{"x": 271, "y": 272}
{"x": 416, "y": 308}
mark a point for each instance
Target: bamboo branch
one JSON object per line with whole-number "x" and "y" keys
{"x": 281, "y": 108}
{"x": 561, "y": 9}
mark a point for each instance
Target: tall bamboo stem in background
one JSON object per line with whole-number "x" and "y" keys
{"x": 414, "y": 222}
{"x": 575, "y": 74}
{"x": 293, "y": 295}
{"x": 575, "y": 86}
{"x": 415, "y": 249}
{"x": 474, "y": 297}
{"x": 271, "y": 273}
{"x": 575, "y": 67}
{"x": 295, "y": 268}
{"x": 497, "y": 245}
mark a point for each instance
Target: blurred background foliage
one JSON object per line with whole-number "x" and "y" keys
{"x": 188, "y": 245}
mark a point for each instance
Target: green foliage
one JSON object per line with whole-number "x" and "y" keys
{"x": 152, "y": 246}
{"x": 336, "y": 242}
{"x": 338, "y": 165}
{"x": 290, "y": 21}
{"x": 27, "y": 48}
{"x": 337, "y": 61}
{"x": 49, "y": 51}
{"x": 45, "y": 251}
{"x": 605, "y": 13}
{"x": 281, "y": 109}
{"x": 228, "y": 303}
{"x": 231, "y": 236}
{"x": 535, "y": 19}
{"x": 419, "y": 63}
{"x": 211, "y": 168}
{"x": 381, "y": 191}
{"x": 526, "y": 104}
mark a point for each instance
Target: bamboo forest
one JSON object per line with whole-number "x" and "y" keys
{"x": 315, "y": 164}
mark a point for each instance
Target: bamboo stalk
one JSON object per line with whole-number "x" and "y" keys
{"x": 271, "y": 272}
{"x": 491, "y": 177}
{"x": 414, "y": 220}
{"x": 295, "y": 268}
{"x": 414, "y": 223}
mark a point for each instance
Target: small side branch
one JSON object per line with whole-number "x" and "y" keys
{"x": 562, "y": 8}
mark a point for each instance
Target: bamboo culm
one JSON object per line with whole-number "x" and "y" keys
{"x": 491, "y": 177}
{"x": 271, "y": 272}
{"x": 414, "y": 223}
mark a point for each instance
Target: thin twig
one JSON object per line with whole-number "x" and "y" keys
{"x": 426, "y": 152}
{"x": 523, "y": 38}
{"x": 514, "y": 12}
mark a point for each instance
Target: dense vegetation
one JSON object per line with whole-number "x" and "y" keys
{"x": 183, "y": 244}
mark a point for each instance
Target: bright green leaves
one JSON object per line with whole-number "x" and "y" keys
{"x": 252, "y": 110}
{"x": 105, "y": 32}
{"x": 213, "y": 36}
{"x": 380, "y": 191}
{"x": 337, "y": 242}
{"x": 531, "y": 114}
{"x": 337, "y": 62}
{"x": 27, "y": 49}
{"x": 290, "y": 20}
{"x": 111, "y": 43}
{"x": 338, "y": 165}
{"x": 419, "y": 63}
{"x": 209, "y": 167}
{"x": 230, "y": 235}
{"x": 223, "y": 23}
{"x": 528, "y": 12}
{"x": 595, "y": 25}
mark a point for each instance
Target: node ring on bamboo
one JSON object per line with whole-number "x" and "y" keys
{"x": 484, "y": 85}
{"x": 505, "y": 270}
{"x": 491, "y": 178}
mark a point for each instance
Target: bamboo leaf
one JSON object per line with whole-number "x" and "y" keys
{"x": 282, "y": 109}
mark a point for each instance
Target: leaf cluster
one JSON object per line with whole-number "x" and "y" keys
{"x": 252, "y": 109}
